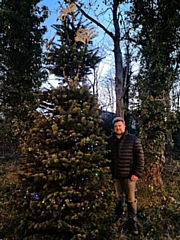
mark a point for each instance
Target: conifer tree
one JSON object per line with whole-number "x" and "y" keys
{"x": 65, "y": 188}
{"x": 72, "y": 53}
{"x": 21, "y": 35}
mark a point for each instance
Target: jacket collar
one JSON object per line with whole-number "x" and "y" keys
{"x": 115, "y": 135}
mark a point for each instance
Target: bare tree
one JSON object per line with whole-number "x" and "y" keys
{"x": 115, "y": 36}
{"x": 109, "y": 11}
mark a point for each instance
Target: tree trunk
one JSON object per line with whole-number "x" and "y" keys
{"x": 119, "y": 80}
{"x": 118, "y": 63}
{"x": 152, "y": 175}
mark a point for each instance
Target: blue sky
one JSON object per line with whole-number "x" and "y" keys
{"x": 103, "y": 41}
{"x": 54, "y": 10}
{"x": 53, "y": 13}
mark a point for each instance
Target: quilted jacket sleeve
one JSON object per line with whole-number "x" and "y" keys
{"x": 138, "y": 162}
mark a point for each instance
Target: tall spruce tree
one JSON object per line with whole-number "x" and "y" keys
{"x": 68, "y": 56}
{"x": 65, "y": 188}
{"x": 65, "y": 191}
{"x": 21, "y": 36}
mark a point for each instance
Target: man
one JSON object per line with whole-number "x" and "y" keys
{"x": 127, "y": 165}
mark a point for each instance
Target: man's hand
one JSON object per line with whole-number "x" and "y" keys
{"x": 134, "y": 178}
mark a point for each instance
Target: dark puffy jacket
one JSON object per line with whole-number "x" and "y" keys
{"x": 126, "y": 155}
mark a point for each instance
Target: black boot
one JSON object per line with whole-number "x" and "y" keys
{"x": 132, "y": 214}
{"x": 119, "y": 213}
{"x": 119, "y": 208}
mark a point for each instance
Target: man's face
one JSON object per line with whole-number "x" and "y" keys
{"x": 119, "y": 127}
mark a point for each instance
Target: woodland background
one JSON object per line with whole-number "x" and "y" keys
{"x": 49, "y": 132}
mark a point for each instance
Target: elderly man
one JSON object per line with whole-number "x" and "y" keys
{"x": 127, "y": 165}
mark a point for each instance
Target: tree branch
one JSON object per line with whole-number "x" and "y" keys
{"x": 96, "y": 22}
